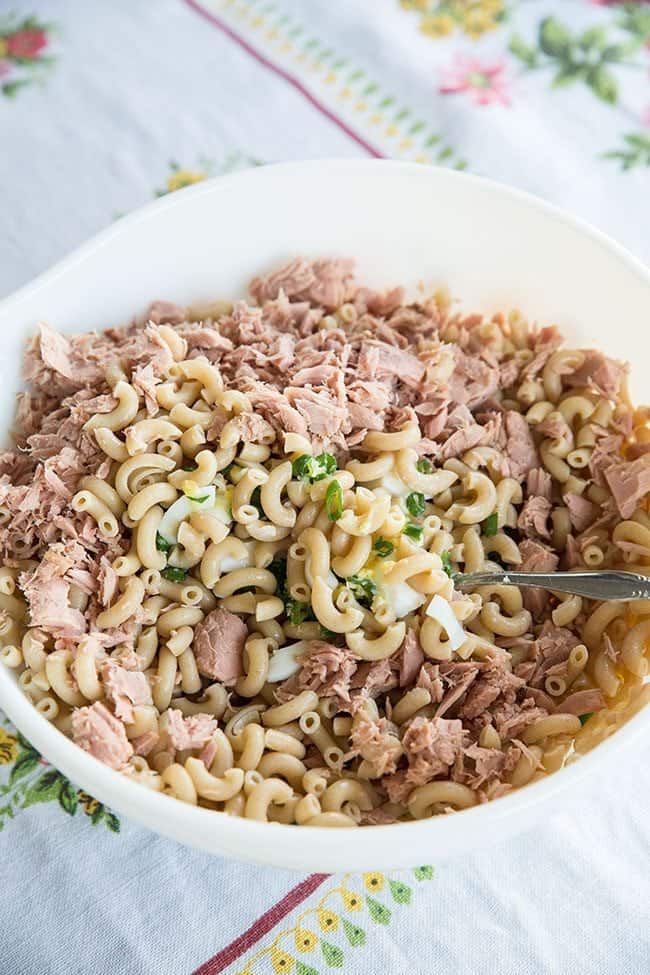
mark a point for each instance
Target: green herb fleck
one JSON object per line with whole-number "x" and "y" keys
{"x": 306, "y": 468}
{"x": 173, "y": 574}
{"x": 585, "y": 717}
{"x": 326, "y": 634}
{"x": 491, "y": 525}
{"x": 189, "y": 467}
{"x": 446, "y": 564}
{"x": 383, "y": 547}
{"x": 334, "y": 501}
{"x": 162, "y": 544}
{"x": 297, "y": 612}
{"x": 415, "y": 504}
{"x": 416, "y": 532}
{"x": 199, "y": 500}
{"x": 364, "y": 590}
{"x": 424, "y": 466}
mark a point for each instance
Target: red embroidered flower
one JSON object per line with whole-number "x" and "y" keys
{"x": 484, "y": 83}
{"x": 26, "y": 44}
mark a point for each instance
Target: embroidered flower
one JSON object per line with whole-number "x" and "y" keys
{"x": 26, "y": 44}
{"x": 484, "y": 83}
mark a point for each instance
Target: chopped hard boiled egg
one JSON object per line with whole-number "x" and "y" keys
{"x": 284, "y": 662}
{"x": 206, "y": 499}
{"x": 439, "y": 609}
{"x": 229, "y": 564}
{"x": 401, "y": 598}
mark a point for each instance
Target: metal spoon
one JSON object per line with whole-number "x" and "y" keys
{"x": 606, "y": 584}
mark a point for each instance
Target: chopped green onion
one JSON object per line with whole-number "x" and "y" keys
{"x": 491, "y": 525}
{"x": 256, "y": 501}
{"x": 202, "y": 500}
{"x": 327, "y": 464}
{"x": 383, "y": 547}
{"x": 446, "y": 564}
{"x": 189, "y": 467}
{"x": 172, "y": 574}
{"x": 424, "y": 466}
{"x": 585, "y": 717}
{"x": 306, "y": 468}
{"x": 297, "y": 612}
{"x": 334, "y": 501}
{"x": 364, "y": 590}
{"x": 162, "y": 544}
{"x": 416, "y": 532}
{"x": 415, "y": 504}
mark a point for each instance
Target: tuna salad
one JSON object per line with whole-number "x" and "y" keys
{"x": 229, "y": 535}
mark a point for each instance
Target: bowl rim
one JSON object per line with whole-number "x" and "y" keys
{"x": 317, "y": 847}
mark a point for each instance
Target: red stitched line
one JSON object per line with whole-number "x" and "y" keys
{"x": 262, "y": 926}
{"x": 285, "y": 75}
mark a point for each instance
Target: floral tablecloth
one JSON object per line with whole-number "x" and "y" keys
{"x": 103, "y": 106}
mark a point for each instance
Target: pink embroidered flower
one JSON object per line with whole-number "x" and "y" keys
{"x": 26, "y": 44}
{"x": 484, "y": 83}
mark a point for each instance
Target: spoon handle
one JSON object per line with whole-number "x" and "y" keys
{"x": 608, "y": 584}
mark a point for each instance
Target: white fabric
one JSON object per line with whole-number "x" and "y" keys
{"x": 135, "y": 86}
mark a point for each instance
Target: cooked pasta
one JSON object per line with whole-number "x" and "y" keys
{"x": 227, "y": 557}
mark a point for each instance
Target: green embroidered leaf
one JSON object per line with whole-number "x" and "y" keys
{"x": 568, "y": 74}
{"x": 302, "y": 969}
{"x": 68, "y": 798}
{"x": 594, "y": 39}
{"x": 401, "y": 893}
{"x": 26, "y": 745}
{"x": 603, "y": 84}
{"x": 378, "y": 912}
{"x": 24, "y": 764}
{"x": 11, "y": 88}
{"x": 618, "y": 52}
{"x": 97, "y": 814}
{"x": 423, "y": 873}
{"x": 113, "y": 822}
{"x": 332, "y": 954}
{"x": 355, "y": 935}
{"x": 554, "y": 38}
{"x": 45, "y": 788}
{"x": 527, "y": 55}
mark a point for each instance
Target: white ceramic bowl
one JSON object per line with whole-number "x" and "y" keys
{"x": 495, "y": 248}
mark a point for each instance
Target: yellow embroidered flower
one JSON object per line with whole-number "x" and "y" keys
{"x": 438, "y": 25}
{"x": 351, "y": 900}
{"x": 328, "y": 920}
{"x": 477, "y": 22}
{"x": 8, "y": 748}
{"x": 305, "y": 940}
{"x": 89, "y": 804}
{"x": 183, "y": 177}
{"x": 4, "y": 47}
{"x": 281, "y": 961}
{"x": 373, "y": 881}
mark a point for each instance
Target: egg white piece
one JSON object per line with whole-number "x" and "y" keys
{"x": 183, "y": 507}
{"x": 284, "y": 662}
{"x": 440, "y": 610}
{"x": 401, "y": 598}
